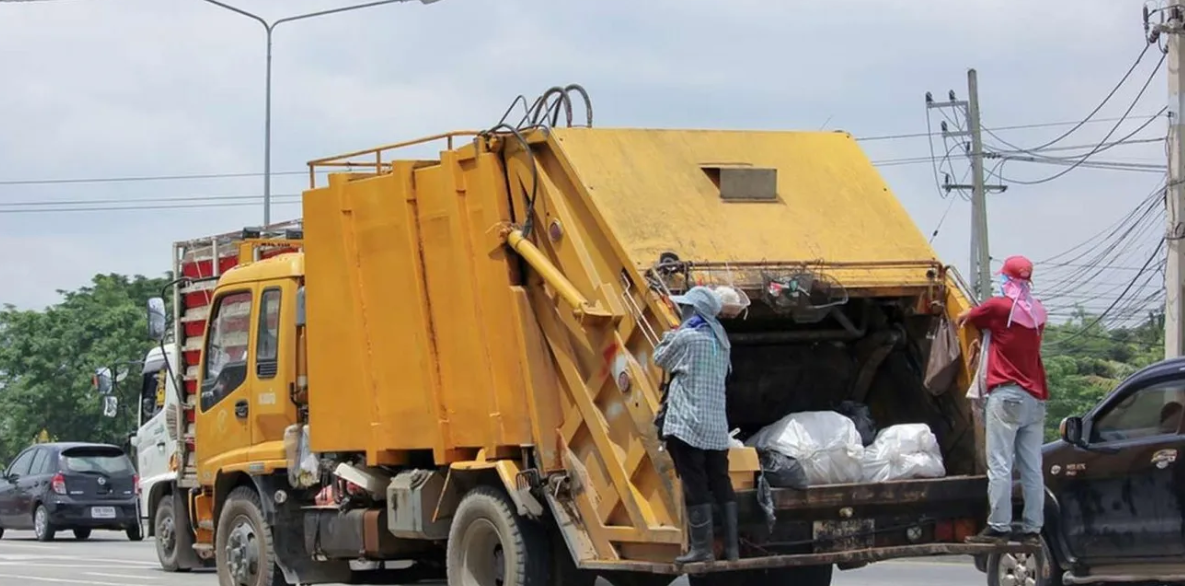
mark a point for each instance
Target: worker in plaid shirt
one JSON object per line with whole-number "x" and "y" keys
{"x": 695, "y": 426}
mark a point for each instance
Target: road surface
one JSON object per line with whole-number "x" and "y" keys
{"x": 108, "y": 559}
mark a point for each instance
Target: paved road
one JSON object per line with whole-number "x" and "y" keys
{"x": 108, "y": 559}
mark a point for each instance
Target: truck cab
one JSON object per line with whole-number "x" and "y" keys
{"x": 248, "y": 370}
{"x": 155, "y": 446}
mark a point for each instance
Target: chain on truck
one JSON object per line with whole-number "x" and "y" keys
{"x": 443, "y": 369}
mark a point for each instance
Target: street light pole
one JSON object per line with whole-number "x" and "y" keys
{"x": 267, "y": 115}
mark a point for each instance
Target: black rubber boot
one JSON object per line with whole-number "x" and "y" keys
{"x": 699, "y": 526}
{"x": 732, "y": 550}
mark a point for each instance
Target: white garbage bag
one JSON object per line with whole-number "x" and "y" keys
{"x": 824, "y": 442}
{"x": 902, "y": 452}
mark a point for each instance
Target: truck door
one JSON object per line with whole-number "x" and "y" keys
{"x": 274, "y": 367}
{"x": 153, "y": 446}
{"x": 223, "y": 426}
{"x": 1120, "y": 493}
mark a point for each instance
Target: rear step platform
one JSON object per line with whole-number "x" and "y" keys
{"x": 814, "y": 559}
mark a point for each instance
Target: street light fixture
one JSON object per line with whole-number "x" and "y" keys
{"x": 267, "y": 124}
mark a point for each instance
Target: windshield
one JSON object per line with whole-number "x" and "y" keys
{"x": 107, "y": 461}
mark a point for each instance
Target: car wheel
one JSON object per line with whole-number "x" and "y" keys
{"x": 82, "y": 534}
{"x": 42, "y": 528}
{"x": 1022, "y": 569}
{"x": 1, "y": 533}
{"x": 135, "y": 533}
{"x": 243, "y": 544}
{"x": 489, "y": 543}
{"x": 166, "y": 535}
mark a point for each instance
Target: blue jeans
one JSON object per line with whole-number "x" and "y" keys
{"x": 1014, "y": 423}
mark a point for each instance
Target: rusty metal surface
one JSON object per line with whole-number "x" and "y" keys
{"x": 882, "y": 493}
{"x": 784, "y": 561}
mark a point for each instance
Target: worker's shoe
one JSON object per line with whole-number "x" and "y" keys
{"x": 990, "y": 536}
{"x": 699, "y": 526}
{"x": 1030, "y": 539}
{"x": 732, "y": 550}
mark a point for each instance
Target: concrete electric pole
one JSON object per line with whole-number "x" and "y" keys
{"x": 1172, "y": 25}
{"x": 980, "y": 269}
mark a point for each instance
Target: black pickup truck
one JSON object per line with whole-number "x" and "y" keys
{"x": 1115, "y": 491}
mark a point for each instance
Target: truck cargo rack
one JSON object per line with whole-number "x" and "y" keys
{"x": 377, "y": 165}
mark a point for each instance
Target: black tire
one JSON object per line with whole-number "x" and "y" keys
{"x": 165, "y": 535}
{"x": 484, "y": 525}
{"x": 135, "y": 533}
{"x": 1001, "y": 565}
{"x": 1, "y": 533}
{"x": 241, "y": 527}
{"x": 42, "y": 527}
{"x": 82, "y": 534}
{"x": 638, "y": 579}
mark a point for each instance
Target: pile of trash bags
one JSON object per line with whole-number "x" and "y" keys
{"x": 843, "y": 447}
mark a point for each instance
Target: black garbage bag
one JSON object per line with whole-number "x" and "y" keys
{"x": 782, "y": 471}
{"x": 862, "y": 417}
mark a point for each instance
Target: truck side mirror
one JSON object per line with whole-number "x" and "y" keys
{"x": 1071, "y": 429}
{"x": 156, "y": 319}
{"x": 102, "y": 381}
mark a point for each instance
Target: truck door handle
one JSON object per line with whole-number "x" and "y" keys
{"x": 241, "y": 408}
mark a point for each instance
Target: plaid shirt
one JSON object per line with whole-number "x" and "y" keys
{"x": 698, "y": 364}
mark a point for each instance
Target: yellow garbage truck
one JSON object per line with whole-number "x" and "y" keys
{"x": 443, "y": 369}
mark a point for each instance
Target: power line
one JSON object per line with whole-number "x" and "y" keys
{"x": 138, "y": 200}
{"x": 1103, "y": 315}
{"x": 1000, "y": 128}
{"x": 141, "y": 208}
{"x": 1105, "y": 138}
{"x": 1106, "y": 99}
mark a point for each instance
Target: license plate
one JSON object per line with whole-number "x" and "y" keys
{"x": 102, "y": 512}
{"x": 844, "y": 535}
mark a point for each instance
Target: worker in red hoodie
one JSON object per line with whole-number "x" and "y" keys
{"x": 1016, "y": 391}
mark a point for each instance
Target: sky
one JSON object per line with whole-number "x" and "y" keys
{"x": 102, "y": 89}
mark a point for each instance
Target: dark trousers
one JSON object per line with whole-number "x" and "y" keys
{"x": 704, "y": 473}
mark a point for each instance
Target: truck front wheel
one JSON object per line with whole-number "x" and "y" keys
{"x": 243, "y": 545}
{"x": 166, "y": 535}
{"x": 489, "y": 544}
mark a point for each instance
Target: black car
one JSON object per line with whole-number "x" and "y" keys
{"x": 1115, "y": 491}
{"x": 75, "y": 487}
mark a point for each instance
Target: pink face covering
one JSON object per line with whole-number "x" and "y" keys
{"x": 1026, "y": 310}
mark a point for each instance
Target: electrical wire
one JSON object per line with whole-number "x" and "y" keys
{"x": 1105, "y": 138}
{"x": 1096, "y": 110}
{"x": 1000, "y": 128}
{"x": 1103, "y": 315}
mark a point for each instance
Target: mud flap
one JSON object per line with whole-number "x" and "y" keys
{"x": 287, "y": 523}
{"x": 187, "y": 556}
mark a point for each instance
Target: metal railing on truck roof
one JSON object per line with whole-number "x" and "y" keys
{"x": 378, "y": 165}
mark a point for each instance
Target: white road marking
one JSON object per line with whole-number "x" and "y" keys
{"x": 7, "y": 544}
{"x": 133, "y": 577}
{"x": 61, "y": 580}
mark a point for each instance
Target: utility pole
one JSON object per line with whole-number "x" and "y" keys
{"x": 1172, "y": 24}
{"x": 980, "y": 268}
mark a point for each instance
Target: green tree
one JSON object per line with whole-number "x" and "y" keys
{"x": 47, "y": 359}
{"x": 1084, "y": 361}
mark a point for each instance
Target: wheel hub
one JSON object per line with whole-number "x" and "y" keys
{"x": 165, "y": 534}
{"x": 242, "y": 554}
{"x": 39, "y": 521}
{"x": 485, "y": 559}
{"x": 1018, "y": 569}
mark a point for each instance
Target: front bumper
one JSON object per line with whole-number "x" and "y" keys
{"x": 69, "y": 513}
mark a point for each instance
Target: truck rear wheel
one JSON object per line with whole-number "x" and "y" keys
{"x": 490, "y": 545}
{"x": 243, "y": 545}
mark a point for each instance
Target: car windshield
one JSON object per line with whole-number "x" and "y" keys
{"x": 97, "y": 460}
